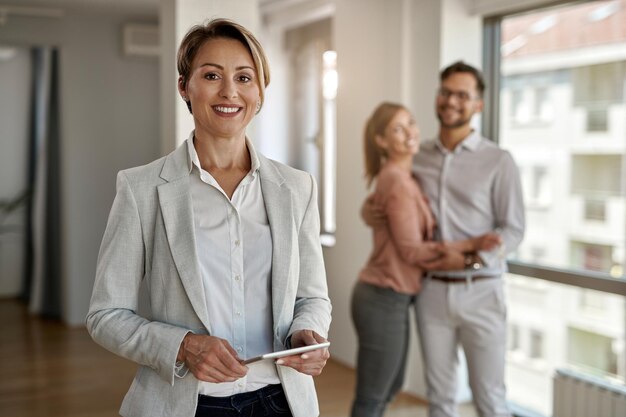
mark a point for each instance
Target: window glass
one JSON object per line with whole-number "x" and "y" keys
{"x": 554, "y": 326}
{"x": 561, "y": 114}
{"x": 313, "y": 89}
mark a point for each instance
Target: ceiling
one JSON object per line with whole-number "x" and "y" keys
{"x": 57, "y": 8}
{"x": 118, "y": 5}
{"x": 149, "y": 5}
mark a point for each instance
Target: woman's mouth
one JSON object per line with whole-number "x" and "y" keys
{"x": 226, "y": 110}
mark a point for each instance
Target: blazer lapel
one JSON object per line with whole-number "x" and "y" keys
{"x": 277, "y": 199}
{"x": 176, "y": 207}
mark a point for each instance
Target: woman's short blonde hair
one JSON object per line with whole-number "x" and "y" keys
{"x": 215, "y": 29}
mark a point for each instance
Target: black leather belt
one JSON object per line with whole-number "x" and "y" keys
{"x": 460, "y": 280}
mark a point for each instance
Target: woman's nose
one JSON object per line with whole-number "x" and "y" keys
{"x": 228, "y": 89}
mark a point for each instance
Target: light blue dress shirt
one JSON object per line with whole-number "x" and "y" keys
{"x": 473, "y": 189}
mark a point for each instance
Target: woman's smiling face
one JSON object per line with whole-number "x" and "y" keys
{"x": 223, "y": 88}
{"x": 401, "y": 137}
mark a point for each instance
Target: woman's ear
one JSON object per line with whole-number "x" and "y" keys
{"x": 181, "y": 88}
{"x": 380, "y": 141}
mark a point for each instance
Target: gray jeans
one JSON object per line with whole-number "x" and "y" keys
{"x": 381, "y": 318}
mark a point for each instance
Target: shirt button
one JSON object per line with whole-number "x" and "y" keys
{"x": 237, "y": 277}
{"x": 237, "y": 242}
{"x": 240, "y": 384}
{"x": 238, "y": 314}
{"x": 239, "y": 348}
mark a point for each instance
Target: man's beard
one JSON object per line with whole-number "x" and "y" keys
{"x": 456, "y": 124}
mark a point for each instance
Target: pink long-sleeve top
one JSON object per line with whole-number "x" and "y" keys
{"x": 398, "y": 244}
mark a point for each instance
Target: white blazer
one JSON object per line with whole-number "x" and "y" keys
{"x": 149, "y": 247}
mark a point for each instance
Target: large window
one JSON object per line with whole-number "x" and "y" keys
{"x": 313, "y": 88}
{"x": 559, "y": 107}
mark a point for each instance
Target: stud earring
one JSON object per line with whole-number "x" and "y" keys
{"x": 258, "y": 106}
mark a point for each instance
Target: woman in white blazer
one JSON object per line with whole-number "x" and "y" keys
{"x": 222, "y": 246}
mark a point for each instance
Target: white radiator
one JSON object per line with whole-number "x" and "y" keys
{"x": 579, "y": 395}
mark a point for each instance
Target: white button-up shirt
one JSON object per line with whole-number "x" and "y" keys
{"x": 234, "y": 247}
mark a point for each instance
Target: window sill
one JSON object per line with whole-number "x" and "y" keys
{"x": 577, "y": 278}
{"x": 519, "y": 411}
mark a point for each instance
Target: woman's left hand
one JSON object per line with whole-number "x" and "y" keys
{"x": 310, "y": 363}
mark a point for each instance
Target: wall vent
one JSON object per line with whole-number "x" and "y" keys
{"x": 141, "y": 39}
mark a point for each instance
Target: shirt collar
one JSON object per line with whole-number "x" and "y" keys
{"x": 471, "y": 143}
{"x": 194, "y": 160}
{"x": 193, "y": 155}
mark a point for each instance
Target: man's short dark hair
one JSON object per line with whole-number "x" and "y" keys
{"x": 461, "y": 66}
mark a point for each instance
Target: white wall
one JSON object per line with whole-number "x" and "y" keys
{"x": 109, "y": 121}
{"x": 272, "y": 137}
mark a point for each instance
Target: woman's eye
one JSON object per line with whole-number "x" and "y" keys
{"x": 245, "y": 78}
{"x": 211, "y": 76}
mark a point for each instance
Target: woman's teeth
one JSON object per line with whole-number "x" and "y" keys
{"x": 227, "y": 109}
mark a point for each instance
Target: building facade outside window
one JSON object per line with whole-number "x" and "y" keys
{"x": 560, "y": 108}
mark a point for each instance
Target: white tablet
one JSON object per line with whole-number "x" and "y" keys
{"x": 287, "y": 352}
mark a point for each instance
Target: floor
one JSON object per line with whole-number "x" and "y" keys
{"x": 51, "y": 370}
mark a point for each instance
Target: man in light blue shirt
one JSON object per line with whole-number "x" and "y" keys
{"x": 474, "y": 188}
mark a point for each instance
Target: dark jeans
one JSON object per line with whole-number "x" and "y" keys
{"x": 266, "y": 402}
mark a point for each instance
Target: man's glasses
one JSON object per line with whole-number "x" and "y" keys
{"x": 462, "y": 96}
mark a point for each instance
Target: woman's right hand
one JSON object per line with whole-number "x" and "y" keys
{"x": 210, "y": 358}
{"x": 372, "y": 213}
{"x": 487, "y": 242}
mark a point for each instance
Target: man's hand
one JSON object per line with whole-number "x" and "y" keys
{"x": 451, "y": 259}
{"x": 309, "y": 363}
{"x": 210, "y": 359}
{"x": 372, "y": 213}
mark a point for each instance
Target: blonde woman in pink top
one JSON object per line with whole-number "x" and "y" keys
{"x": 389, "y": 281}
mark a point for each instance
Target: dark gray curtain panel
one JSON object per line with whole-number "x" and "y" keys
{"x": 42, "y": 281}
